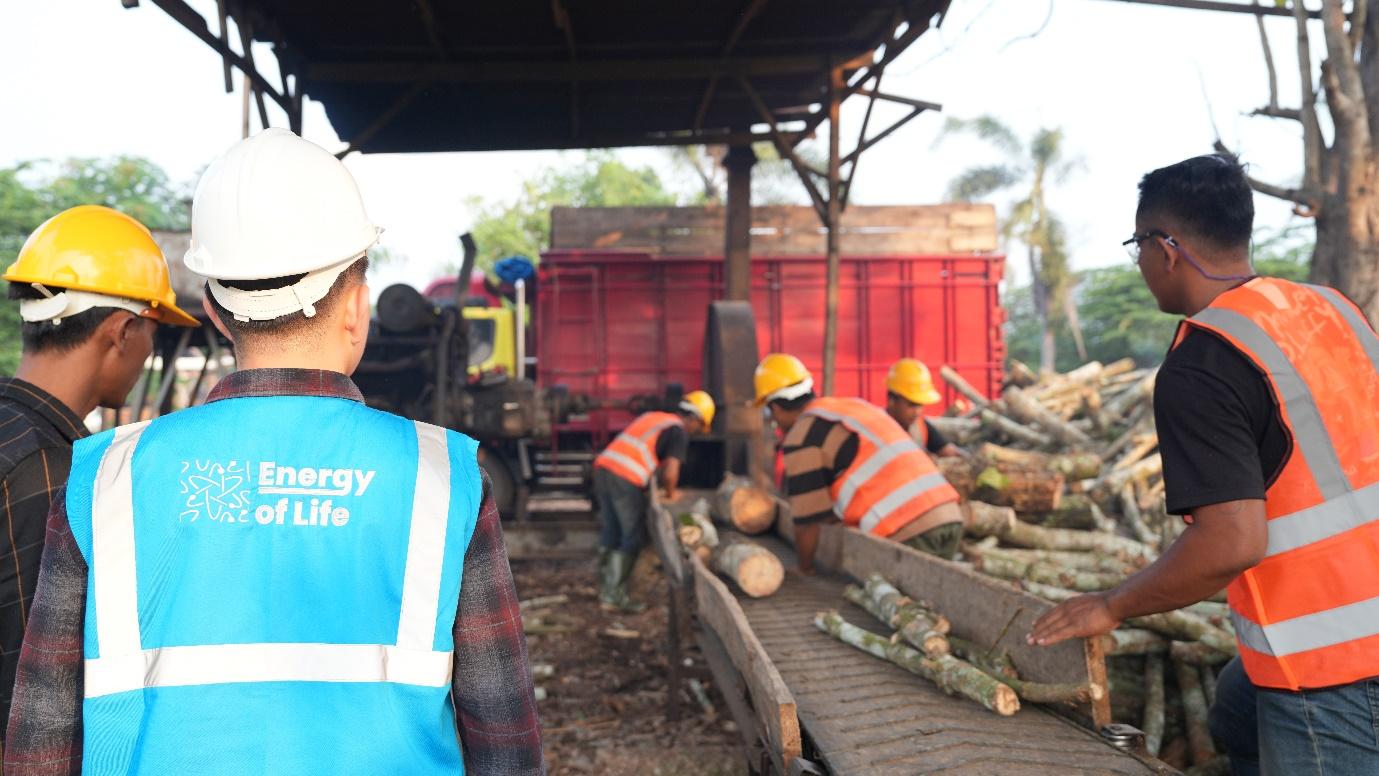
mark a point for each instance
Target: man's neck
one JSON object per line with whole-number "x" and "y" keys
{"x": 1200, "y": 298}
{"x": 68, "y": 377}
{"x": 290, "y": 359}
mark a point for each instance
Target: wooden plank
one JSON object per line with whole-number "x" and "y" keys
{"x": 775, "y": 706}
{"x": 781, "y": 230}
{"x": 978, "y": 607}
{"x": 733, "y": 690}
{"x": 666, "y": 542}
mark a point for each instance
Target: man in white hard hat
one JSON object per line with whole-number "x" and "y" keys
{"x": 283, "y": 580}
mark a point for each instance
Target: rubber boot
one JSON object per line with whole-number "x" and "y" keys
{"x": 620, "y": 573}
{"x": 607, "y": 582}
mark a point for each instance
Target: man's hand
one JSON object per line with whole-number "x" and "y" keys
{"x": 1080, "y": 617}
{"x": 807, "y": 571}
{"x": 670, "y": 496}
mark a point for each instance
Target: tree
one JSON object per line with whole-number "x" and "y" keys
{"x": 1340, "y": 179}
{"x": 774, "y": 181}
{"x": 1033, "y": 166}
{"x": 523, "y": 227}
{"x": 33, "y": 191}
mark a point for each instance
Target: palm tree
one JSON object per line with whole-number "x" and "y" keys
{"x": 1031, "y": 166}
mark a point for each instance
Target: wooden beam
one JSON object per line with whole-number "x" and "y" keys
{"x": 246, "y": 42}
{"x": 745, "y": 18}
{"x": 1217, "y": 5}
{"x": 774, "y": 704}
{"x": 882, "y": 135}
{"x": 186, "y": 16}
{"x": 529, "y": 72}
{"x": 787, "y": 150}
{"x": 384, "y": 119}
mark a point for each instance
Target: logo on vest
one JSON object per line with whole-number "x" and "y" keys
{"x": 242, "y": 492}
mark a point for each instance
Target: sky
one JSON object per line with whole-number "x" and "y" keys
{"x": 1133, "y": 88}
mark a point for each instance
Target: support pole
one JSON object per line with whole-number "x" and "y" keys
{"x": 835, "y": 90}
{"x": 738, "y": 250}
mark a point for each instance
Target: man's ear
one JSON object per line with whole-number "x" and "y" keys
{"x": 215, "y": 317}
{"x": 115, "y": 331}
{"x": 357, "y": 310}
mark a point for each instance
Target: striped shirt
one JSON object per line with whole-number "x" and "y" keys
{"x": 817, "y": 452}
{"x": 36, "y": 436}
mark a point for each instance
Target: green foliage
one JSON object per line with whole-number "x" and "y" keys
{"x": 32, "y": 192}
{"x": 1120, "y": 317}
{"x": 523, "y": 227}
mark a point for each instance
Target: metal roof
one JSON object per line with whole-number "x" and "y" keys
{"x": 456, "y": 75}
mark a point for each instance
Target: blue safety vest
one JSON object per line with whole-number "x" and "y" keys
{"x": 273, "y": 584}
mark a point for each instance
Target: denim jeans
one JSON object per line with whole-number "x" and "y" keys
{"x": 622, "y": 512}
{"x": 1327, "y": 732}
{"x": 1234, "y": 720}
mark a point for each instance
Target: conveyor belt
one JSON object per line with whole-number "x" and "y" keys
{"x": 867, "y": 716}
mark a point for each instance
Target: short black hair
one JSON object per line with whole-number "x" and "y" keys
{"x": 791, "y": 405}
{"x": 292, "y": 323}
{"x": 48, "y": 336}
{"x": 894, "y": 395}
{"x": 1209, "y": 195}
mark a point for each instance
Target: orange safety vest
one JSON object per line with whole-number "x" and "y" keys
{"x": 632, "y": 454}
{"x": 919, "y": 430}
{"x": 1308, "y": 614}
{"x": 891, "y": 481}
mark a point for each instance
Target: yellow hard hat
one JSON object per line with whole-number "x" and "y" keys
{"x": 781, "y": 376}
{"x": 910, "y": 379}
{"x": 100, "y": 251}
{"x": 701, "y": 404}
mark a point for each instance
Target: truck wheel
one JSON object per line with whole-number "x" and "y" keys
{"x": 503, "y": 483}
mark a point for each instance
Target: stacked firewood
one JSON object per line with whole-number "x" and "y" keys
{"x": 741, "y": 508}
{"x": 1066, "y": 496}
{"x": 922, "y": 645}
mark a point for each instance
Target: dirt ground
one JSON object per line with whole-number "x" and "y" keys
{"x": 605, "y": 705}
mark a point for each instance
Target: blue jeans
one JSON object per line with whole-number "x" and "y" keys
{"x": 1328, "y": 732}
{"x": 1234, "y": 720}
{"x": 622, "y": 512}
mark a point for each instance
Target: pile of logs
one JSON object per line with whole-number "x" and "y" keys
{"x": 1066, "y": 496}
{"x": 923, "y": 645}
{"x": 742, "y": 508}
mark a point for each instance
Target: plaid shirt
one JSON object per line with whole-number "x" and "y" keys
{"x": 36, "y": 436}
{"x": 492, "y": 685}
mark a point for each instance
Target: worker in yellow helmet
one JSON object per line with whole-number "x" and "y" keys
{"x": 847, "y": 459}
{"x": 909, "y": 389}
{"x": 651, "y": 448}
{"x": 92, "y": 287}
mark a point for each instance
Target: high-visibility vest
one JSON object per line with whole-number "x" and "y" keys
{"x": 1308, "y": 614}
{"x": 273, "y": 588}
{"x": 919, "y": 431}
{"x": 891, "y": 481}
{"x": 632, "y": 454}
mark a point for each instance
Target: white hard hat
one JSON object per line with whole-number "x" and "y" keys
{"x": 275, "y": 205}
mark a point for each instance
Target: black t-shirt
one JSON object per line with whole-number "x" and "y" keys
{"x": 937, "y": 441}
{"x": 1220, "y": 432}
{"x": 672, "y": 443}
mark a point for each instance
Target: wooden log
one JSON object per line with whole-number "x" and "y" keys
{"x": 1144, "y": 444}
{"x": 1130, "y": 509}
{"x": 1000, "y": 424}
{"x": 899, "y": 610}
{"x": 986, "y": 520}
{"x": 1091, "y": 407}
{"x": 1074, "y": 510}
{"x": 1000, "y": 667}
{"x": 1114, "y": 481}
{"x": 1085, "y": 561}
{"x": 1073, "y": 466}
{"x": 747, "y": 507}
{"x": 755, "y": 569}
{"x": 1141, "y": 392}
{"x": 1196, "y": 653}
{"x": 953, "y": 676}
{"x": 1046, "y": 573}
{"x": 1023, "y": 488}
{"x": 1018, "y": 373}
{"x": 1153, "y": 722}
{"x": 1200, "y": 747}
{"x": 696, "y": 530}
{"x": 1116, "y": 369}
{"x": 963, "y": 387}
{"x": 1027, "y": 409}
{"x": 959, "y": 431}
{"x": 997, "y": 663}
{"x": 927, "y": 639}
{"x": 1209, "y": 684}
{"x": 1134, "y": 641}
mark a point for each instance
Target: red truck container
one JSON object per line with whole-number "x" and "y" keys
{"x": 617, "y": 324}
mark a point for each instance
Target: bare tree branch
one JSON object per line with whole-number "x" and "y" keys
{"x": 1275, "y": 112}
{"x": 1359, "y": 14}
{"x": 1268, "y": 63}
{"x": 1307, "y": 201}
{"x": 1312, "y": 145}
{"x": 1349, "y": 98}
{"x": 1369, "y": 60}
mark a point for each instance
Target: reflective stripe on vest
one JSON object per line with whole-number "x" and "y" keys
{"x": 632, "y": 454}
{"x": 124, "y": 665}
{"x": 858, "y": 499}
{"x": 1308, "y": 614}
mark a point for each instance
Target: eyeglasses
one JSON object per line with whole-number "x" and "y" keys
{"x": 1132, "y": 247}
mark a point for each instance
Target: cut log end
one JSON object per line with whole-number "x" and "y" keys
{"x": 1005, "y": 701}
{"x": 760, "y": 575}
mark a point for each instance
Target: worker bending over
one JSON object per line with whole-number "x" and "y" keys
{"x": 282, "y": 580}
{"x": 92, "y": 287}
{"x": 847, "y": 458}
{"x": 909, "y": 389}
{"x": 653, "y": 446}
{"x": 1267, "y": 408}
